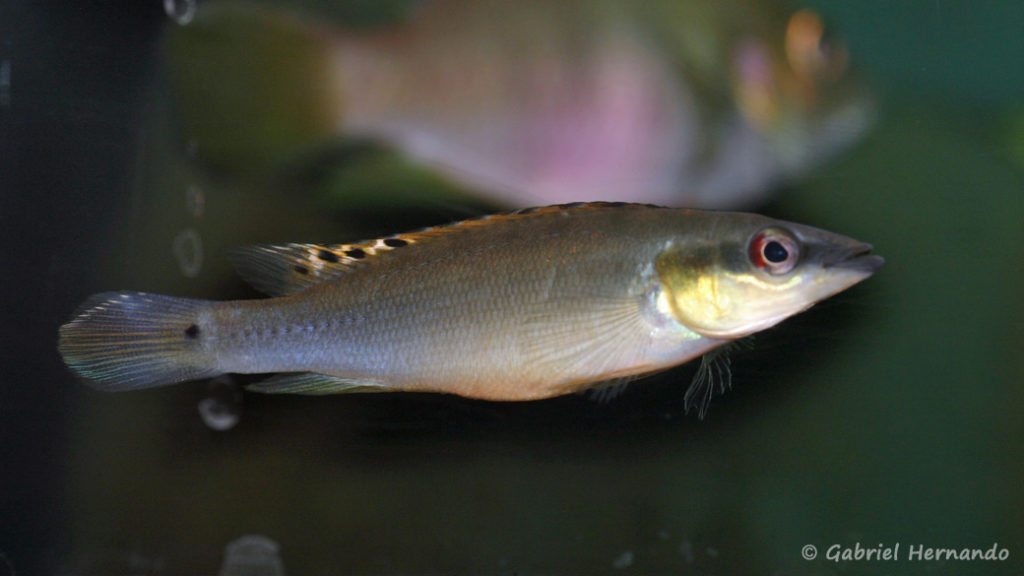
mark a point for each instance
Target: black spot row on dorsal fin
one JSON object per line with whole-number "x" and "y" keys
{"x": 282, "y": 269}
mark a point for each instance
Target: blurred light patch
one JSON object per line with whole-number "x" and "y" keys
{"x": 677, "y": 103}
{"x": 252, "y": 555}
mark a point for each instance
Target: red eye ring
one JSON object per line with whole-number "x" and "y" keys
{"x": 774, "y": 250}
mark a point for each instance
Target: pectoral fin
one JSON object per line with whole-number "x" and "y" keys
{"x": 601, "y": 341}
{"x": 713, "y": 377}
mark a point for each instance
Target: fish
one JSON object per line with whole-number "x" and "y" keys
{"x": 518, "y": 306}
{"x": 676, "y": 102}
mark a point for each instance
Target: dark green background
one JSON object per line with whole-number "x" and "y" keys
{"x": 893, "y": 413}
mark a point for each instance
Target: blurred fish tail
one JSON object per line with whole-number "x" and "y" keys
{"x": 253, "y": 86}
{"x": 132, "y": 340}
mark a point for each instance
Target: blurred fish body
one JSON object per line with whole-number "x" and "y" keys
{"x": 682, "y": 103}
{"x": 520, "y": 306}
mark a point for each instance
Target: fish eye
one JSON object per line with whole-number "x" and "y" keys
{"x": 774, "y": 250}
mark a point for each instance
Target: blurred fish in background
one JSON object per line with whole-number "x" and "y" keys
{"x": 684, "y": 103}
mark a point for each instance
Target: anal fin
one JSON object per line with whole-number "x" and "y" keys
{"x": 604, "y": 392}
{"x": 313, "y": 383}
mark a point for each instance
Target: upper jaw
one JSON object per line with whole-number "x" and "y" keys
{"x": 854, "y": 258}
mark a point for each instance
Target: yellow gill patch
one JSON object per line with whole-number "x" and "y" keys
{"x": 689, "y": 280}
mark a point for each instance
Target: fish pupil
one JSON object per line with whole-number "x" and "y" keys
{"x": 775, "y": 252}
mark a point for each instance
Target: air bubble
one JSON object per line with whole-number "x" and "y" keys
{"x": 222, "y": 409}
{"x": 192, "y": 148}
{"x": 188, "y": 249}
{"x": 686, "y": 550}
{"x": 195, "y": 200}
{"x": 181, "y": 11}
{"x": 5, "y": 83}
{"x": 252, "y": 555}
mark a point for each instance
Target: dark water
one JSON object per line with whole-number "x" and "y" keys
{"x": 892, "y": 414}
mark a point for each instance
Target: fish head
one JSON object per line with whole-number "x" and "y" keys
{"x": 750, "y": 273}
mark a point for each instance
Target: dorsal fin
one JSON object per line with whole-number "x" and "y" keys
{"x": 425, "y": 234}
{"x": 283, "y": 269}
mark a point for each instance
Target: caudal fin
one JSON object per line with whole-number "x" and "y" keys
{"x": 133, "y": 340}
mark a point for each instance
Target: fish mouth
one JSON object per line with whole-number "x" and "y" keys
{"x": 857, "y": 258}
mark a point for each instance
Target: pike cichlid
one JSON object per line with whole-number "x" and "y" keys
{"x": 521, "y": 306}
